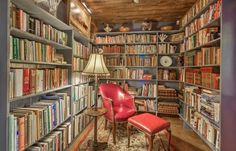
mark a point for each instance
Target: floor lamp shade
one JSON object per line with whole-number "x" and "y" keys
{"x": 96, "y": 66}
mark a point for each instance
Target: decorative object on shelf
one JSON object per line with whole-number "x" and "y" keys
{"x": 177, "y": 37}
{"x": 162, "y": 37}
{"x": 50, "y": 4}
{"x": 168, "y": 27}
{"x": 146, "y": 25}
{"x": 107, "y": 28}
{"x": 166, "y": 61}
{"x": 96, "y": 67}
{"x": 124, "y": 28}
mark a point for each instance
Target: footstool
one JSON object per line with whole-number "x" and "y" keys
{"x": 150, "y": 125}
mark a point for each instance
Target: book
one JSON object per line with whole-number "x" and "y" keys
{"x": 141, "y": 49}
{"x": 150, "y": 61}
{"x": 141, "y": 38}
{"x": 81, "y": 50}
{"x": 113, "y": 49}
{"x": 110, "y": 39}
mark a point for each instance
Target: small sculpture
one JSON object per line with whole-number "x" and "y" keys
{"x": 146, "y": 25}
{"x": 107, "y": 28}
{"x": 162, "y": 37}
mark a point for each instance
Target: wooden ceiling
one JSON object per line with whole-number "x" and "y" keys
{"x": 121, "y": 11}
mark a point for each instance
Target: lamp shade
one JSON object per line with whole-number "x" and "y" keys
{"x": 96, "y": 66}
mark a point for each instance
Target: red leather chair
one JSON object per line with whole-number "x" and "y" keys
{"x": 119, "y": 104}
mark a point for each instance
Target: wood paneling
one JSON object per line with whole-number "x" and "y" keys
{"x": 120, "y": 11}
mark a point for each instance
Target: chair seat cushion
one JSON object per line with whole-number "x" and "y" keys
{"x": 149, "y": 123}
{"x": 121, "y": 114}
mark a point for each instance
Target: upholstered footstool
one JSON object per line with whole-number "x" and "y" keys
{"x": 150, "y": 125}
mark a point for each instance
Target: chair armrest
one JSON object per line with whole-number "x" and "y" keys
{"x": 129, "y": 99}
{"x": 108, "y": 104}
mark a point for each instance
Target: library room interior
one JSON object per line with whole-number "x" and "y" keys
{"x": 117, "y": 75}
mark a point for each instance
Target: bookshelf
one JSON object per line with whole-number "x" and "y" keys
{"x": 134, "y": 48}
{"x": 51, "y": 57}
{"x": 196, "y": 61}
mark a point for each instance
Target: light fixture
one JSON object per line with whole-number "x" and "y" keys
{"x": 87, "y": 7}
{"x": 72, "y": 5}
{"x": 136, "y": 1}
{"x": 76, "y": 11}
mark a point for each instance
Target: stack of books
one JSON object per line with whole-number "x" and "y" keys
{"x": 141, "y": 49}
{"x": 79, "y": 64}
{"x": 150, "y": 61}
{"x": 168, "y": 108}
{"x": 80, "y": 50}
{"x": 164, "y": 91}
{"x": 167, "y": 74}
{"x": 110, "y": 39}
{"x": 113, "y": 49}
{"x": 141, "y": 38}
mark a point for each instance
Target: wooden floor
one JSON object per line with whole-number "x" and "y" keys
{"x": 184, "y": 139}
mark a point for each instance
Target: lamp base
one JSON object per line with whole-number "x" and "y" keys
{"x": 99, "y": 146}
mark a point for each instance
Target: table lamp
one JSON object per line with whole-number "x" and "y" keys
{"x": 95, "y": 67}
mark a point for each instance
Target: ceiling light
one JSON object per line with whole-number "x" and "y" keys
{"x": 72, "y": 5}
{"x": 136, "y": 1}
{"x": 76, "y": 11}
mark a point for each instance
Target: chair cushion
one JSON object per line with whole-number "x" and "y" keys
{"x": 149, "y": 123}
{"x": 123, "y": 113}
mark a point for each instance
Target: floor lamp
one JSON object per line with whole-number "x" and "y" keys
{"x": 96, "y": 67}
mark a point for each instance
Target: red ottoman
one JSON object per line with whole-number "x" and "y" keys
{"x": 150, "y": 125}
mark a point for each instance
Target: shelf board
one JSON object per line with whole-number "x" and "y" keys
{"x": 199, "y": 66}
{"x": 82, "y": 38}
{"x": 77, "y": 56}
{"x": 141, "y": 54}
{"x": 200, "y": 12}
{"x": 38, "y": 94}
{"x": 48, "y": 133}
{"x": 144, "y": 97}
{"x": 141, "y": 67}
{"x": 198, "y": 133}
{"x": 83, "y": 83}
{"x": 213, "y": 23}
{"x": 78, "y": 112}
{"x": 113, "y": 79}
{"x": 77, "y": 71}
{"x": 138, "y": 32}
{"x": 115, "y": 66}
{"x": 173, "y": 54}
{"x": 175, "y": 67}
{"x": 177, "y": 42}
{"x": 99, "y": 44}
{"x": 22, "y": 34}
{"x": 38, "y": 63}
{"x": 113, "y": 54}
{"x": 141, "y": 43}
{"x": 153, "y": 80}
{"x": 181, "y": 100}
{"x": 211, "y": 43}
{"x": 217, "y": 90}
{"x": 35, "y": 11}
{"x": 174, "y": 81}
{"x": 165, "y": 97}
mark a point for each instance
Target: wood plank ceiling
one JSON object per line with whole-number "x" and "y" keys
{"x": 121, "y": 11}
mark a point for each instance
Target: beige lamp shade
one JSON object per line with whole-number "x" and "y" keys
{"x": 96, "y": 66}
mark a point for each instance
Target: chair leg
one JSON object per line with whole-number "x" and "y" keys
{"x": 128, "y": 133}
{"x": 105, "y": 124}
{"x": 150, "y": 140}
{"x": 114, "y": 131}
{"x": 169, "y": 143}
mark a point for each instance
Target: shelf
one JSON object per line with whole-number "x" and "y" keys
{"x": 35, "y": 11}
{"x": 211, "y": 43}
{"x": 141, "y": 43}
{"x": 77, "y": 56}
{"x": 22, "y": 34}
{"x": 217, "y": 90}
{"x": 76, "y": 113}
{"x": 177, "y": 42}
{"x": 83, "y": 83}
{"x": 198, "y": 133}
{"x": 140, "y": 67}
{"x": 173, "y": 54}
{"x": 48, "y": 133}
{"x": 170, "y": 98}
{"x": 200, "y": 12}
{"x": 174, "y": 81}
{"x": 181, "y": 100}
{"x": 141, "y": 54}
{"x": 213, "y": 23}
{"x": 153, "y": 80}
{"x": 113, "y": 79}
{"x": 199, "y": 66}
{"x": 113, "y": 54}
{"x": 77, "y": 71}
{"x": 99, "y": 44}
{"x": 38, "y": 94}
{"x": 175, "y": 67}
{"x": 82, "y": 38}
{"x": 144, "y": 97}
{"x": 115, "y": 66}
{"x": 137, "y": 32}
{"x": 81, "y": 98}
{"x": 38, "y": 63}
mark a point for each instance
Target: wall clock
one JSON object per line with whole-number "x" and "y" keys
{"x": 166, "y": 61}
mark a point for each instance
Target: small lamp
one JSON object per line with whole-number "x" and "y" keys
{"x": 96, "y": 67}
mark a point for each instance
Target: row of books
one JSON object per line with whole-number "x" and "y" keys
{"x": 203, "y": 101}
{"x": 167, "y": 74}
{"x": 81, "y": 50}
{"x": 202, "y": 37}
{"x": 81, "y": 91}
{"x": 167, "y": 49}
{"x": 59, "y": 139}
{"x": 166, "y": 91}
{"x": 141, "y": 49}
{"x": 28, "y": 124}
{"x": 168, "y": 108}
{"x": 135, "y": 74}
{"x": 142, "y": 38}
{"x": 79, "y": 123}
{"x": 79, "y": 78}
{"x": 113, "y": 49}
{"x": 25, "y": 22}
{"x": 149, "y": 90}
{"x": 117, "y": 73}
{"x": 79, "y": 64}
{"x": 207, "y": 56}
{"x": 203, "y": 126}
{"x": 142, "y": 61}
{"x": 29, "y": 81}
{"x": 110, "y": 39}
{"x": 196, "y": 8}
{"x": 23, "y": 49}
{"x": 214, "y": 12}
{"x": 114, "y": 61}
{"x": 208, "y": 77}
{"x": 145, "y": 105}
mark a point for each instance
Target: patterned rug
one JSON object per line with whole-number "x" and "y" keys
{"x": 138, "y": 141}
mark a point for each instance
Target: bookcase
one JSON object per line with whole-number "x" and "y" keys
{"x": 44, "y": 95}
{"x": 133, "y": 59}
{"x": 202, "y": 66}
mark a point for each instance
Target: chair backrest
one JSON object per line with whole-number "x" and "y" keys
{"x": 112, "y": 91}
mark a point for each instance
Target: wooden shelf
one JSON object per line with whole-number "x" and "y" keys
{"x": 173, "y": 81}
{"x": 173, "y": 54}
{"x": 38, "y": 94}
{"x": 141, "y": 67}
{"x": 217, "y": 90}
{"x": 22, "y": 34}
{"x": 199, "y": 66}
{"x": 179, "y": 42}
{"x": 38, "y": 63}
{"x": 83, "y": 83}
{"x": 76, "y": 56}
{"x": 141, "y": 43}
{"x": 99, "y": 44}
{"x": 144, "y": 97}
{"x": 141, "y": 54}
{"x": 171, "y": 67}
{"x": 113, "y": 54}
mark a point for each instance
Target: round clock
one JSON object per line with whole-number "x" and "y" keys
{"x": 166, "y": 61}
